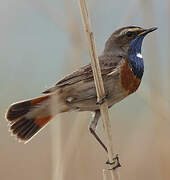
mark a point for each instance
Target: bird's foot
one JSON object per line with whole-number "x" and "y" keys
{"x": 101, "y": 101}
{"x": 115, "y": 163}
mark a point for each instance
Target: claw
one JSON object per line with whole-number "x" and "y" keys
{"x": 101, "y": 101}
{"x": 116, "y": 164}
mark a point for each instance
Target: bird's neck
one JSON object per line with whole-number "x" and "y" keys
{"x": 135, "y": 57}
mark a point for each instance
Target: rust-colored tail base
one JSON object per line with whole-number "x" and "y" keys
{"x": 25, "y": 118}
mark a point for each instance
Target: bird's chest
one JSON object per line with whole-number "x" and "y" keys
{"x": 129, "y": 81}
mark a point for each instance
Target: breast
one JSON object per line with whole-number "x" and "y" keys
{"x": 129, "y": 81}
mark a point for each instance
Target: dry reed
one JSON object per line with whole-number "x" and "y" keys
{"x": 99, "y": 84}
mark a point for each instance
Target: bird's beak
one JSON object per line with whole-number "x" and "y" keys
{"x": 146, "y": 31}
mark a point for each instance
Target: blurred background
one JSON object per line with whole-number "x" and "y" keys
{"x": 40, "y": 42}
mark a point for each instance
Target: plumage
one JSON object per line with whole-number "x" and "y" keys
{"x": 107, "y": 62}
{"x": 129, "y": 81}
{"x": 135, "y": 57}
{"x": 122, "y": 69}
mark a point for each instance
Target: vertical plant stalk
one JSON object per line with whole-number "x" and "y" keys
{"x": 99, "y": 84}
{"x": 104, "y": 174}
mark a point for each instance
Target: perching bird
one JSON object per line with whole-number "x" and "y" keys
{"x": 122, "y": 69}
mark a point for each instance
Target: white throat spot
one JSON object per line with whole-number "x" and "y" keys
{"x": 139, "y": 55}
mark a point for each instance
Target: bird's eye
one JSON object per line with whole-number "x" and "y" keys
{"x": 129, "y": 34}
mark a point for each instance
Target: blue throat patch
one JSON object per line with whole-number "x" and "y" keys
{"x": 135, "y": 57}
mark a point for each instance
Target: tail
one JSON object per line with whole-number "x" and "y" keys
{"x": 28, "y": 117}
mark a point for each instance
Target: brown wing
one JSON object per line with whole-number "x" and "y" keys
{"x": 108, "y": 64}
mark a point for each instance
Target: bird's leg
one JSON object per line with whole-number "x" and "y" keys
{"x": 92, "y": 128}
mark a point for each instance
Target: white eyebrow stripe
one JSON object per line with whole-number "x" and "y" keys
{"x": 139, "y": 55}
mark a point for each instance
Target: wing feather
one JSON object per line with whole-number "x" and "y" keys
{"x": 108, "y": 64}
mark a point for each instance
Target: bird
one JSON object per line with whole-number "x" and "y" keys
{"x": 122, "y": 68}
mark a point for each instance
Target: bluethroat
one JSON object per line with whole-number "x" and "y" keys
{"x": 122, "y": 69}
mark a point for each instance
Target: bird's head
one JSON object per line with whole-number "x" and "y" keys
{"x": 127, "y": 39}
